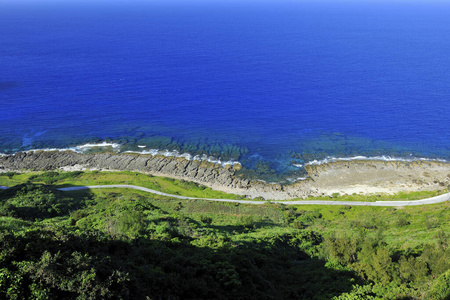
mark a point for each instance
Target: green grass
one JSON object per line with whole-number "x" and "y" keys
{"x": 274, "y": 229}
{"x": 404, "y": 228}
{"x": 14, "y": 178}
{"x": 401, "y": 196}
{"x": 163, "y": 184}
{"x": 223, "y": 213}
{"x": 177, "y": 187}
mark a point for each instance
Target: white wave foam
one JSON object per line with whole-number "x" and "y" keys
{"x": 376, "y": 158}
{"x": 153, "y": 152}
{"x": 81, "y": 148}
{"x": 187, "y": 156}
{"x": 296, "y": 179}
{"x": 88, "y": 146}
{"x": 47, "y": 150}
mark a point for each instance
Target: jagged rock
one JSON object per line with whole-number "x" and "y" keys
{"x": 345, "y": 176}
{"x": 169, "y": 166}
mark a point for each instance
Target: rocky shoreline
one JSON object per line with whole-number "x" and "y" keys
{"x": 344, "y": 177}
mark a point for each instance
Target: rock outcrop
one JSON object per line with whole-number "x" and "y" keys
{"x": 178, "y": 167}
{"x": 346, "y": 177}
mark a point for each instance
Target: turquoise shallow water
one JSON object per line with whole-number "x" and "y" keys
{"x": 278, "y": 83}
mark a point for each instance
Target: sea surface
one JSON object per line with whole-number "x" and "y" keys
{"x": 272, "y": 84}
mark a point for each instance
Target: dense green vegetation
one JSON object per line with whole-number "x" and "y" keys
{"x": 163, "y": 184}
{"x": 401, "y": 196}
{"x": 126, "y": 244}
{"x": 175, "y": 187}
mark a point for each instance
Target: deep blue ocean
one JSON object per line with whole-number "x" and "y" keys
{"x": 279, "y": 82}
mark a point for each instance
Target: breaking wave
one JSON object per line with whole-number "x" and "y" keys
{"x": 117, "y": 148}
{"x": 367, "y": 158}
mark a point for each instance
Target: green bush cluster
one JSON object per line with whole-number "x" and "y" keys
{"x": 123, "y": 244}
{"x": 52, "y": 177}
{"x": 8, "y": 174}
{"x": 31, "y": 202}
{"x": 373, "y": 260}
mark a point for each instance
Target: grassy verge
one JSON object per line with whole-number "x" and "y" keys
{"x": 177, "y": 187}
{"x": 401, "y": 196}
{"x": 162, "y": 184}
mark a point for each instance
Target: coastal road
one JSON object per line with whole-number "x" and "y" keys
{"x": 433, "y": 200}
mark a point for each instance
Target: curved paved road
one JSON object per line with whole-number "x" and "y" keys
{"x": 433, "y": 200}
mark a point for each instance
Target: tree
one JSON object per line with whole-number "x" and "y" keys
{"x": 412, "y": 269}
{"x": 440, "y": 290}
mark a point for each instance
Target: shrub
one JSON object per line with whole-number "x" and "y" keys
{"x": 403, "y": 220}
{"x": 32, "y": 202}
{"x": 206, "y": 219}
{"x": 247, "y": 222}
{"x": 335, "y": 195}
{"x": 440, "y": 290}
{"x": 52, "y": 177}
{"x": 9, "y": 174}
